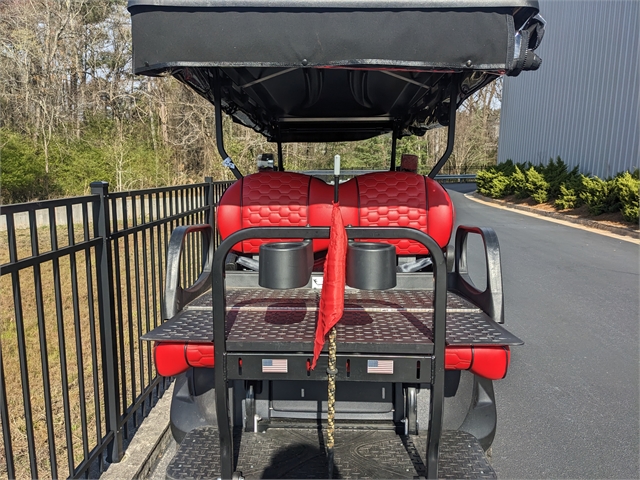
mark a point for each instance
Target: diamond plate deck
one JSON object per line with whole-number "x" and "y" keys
{"x": 361, "y": 332}
{"x": 358, "y": 331}
{"x": 308, "y": 299}
{"x": 300, "y": 453}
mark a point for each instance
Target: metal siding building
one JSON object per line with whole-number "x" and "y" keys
{"x": 583, "y": 104}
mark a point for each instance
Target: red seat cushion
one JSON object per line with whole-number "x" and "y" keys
{"x": 383, "y": 199}
{"x": 404, "y": 199}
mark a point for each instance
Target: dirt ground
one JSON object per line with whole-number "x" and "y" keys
{"x": 613, "y": 219}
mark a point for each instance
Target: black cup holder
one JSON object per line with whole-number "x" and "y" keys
{"x": 285, "y": 265}
{"x": 371, "y": 266}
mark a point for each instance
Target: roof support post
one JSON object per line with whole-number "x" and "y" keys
{"x": 394, "y": 144}
{"x": 280, "y": 159}
{"x": 451, "y": 130}
{"x": 226, "y": 160}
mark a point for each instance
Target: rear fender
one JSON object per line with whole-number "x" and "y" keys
{"x": 473, "y": 408}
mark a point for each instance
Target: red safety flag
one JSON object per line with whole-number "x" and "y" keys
{"x": 332, "y": 295}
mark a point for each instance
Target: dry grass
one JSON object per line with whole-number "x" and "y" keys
{"x": 55, "y": 334}
{"x": 68, "y": 357}
{"x": 52, "y": 349}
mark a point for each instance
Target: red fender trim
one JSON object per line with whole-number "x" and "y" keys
{"x": 458, "y": 358}
{"x": 174, "y": 358}
{"x": 200, "y": 355}
{"x": 485, "y": 361}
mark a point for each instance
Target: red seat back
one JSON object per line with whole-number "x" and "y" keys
{"x": 274, "y": 199}
{"x": 402, "y": 199}
{"x": 383, "y": 199}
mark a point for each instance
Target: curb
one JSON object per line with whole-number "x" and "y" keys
{"x": 148, "y": 444}
{"x": 626, "y": 232}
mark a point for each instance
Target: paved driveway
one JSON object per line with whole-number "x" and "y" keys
{"x": 569, "y": 407}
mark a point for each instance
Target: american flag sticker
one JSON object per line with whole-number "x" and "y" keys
{"x": 380, "y": 366}
{"x": 274, "y": 365}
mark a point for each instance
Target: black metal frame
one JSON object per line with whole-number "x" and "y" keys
{"x": 219, "y": 135}
{"x": 394, "y": 146}
{"x": 451, "y": 127}
{"x": 491, "y": 300}
{"x": 222, "y": 376}
{"x": 177, "y": 297}
{"x": 122, "y": 239}
{"x": 449, "y": 119}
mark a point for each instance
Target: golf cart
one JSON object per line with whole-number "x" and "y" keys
{"x": 404, "y": 384}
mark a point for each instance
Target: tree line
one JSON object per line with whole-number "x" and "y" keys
{"x": 72, "y": 112}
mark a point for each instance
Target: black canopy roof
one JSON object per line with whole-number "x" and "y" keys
{"x": 331, "y": 70}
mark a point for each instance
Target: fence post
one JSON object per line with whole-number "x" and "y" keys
{"x": 104, "y": 273}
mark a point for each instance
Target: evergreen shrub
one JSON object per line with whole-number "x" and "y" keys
{"x": 519, "y": 183}
{"x": 569, "y": 196}
{"x": 565, "y": 188}
{"x": 626, "y": 188}
{"x": 599, "y": 195}
{"x": 537, "y": 186}
{"x": 495, "y": 181}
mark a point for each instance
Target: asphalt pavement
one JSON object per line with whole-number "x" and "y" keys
{"x": 569, "y": 407}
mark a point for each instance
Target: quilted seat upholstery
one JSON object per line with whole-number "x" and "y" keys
{"x": 269, "y": 199}
{"x": 380, "y": 199}
{"x": 404, "y": 199}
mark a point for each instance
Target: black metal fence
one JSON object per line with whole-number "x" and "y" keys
{"x": 80, "y": 280}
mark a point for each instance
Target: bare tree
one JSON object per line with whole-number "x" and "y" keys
{"x": 65, "y": 72}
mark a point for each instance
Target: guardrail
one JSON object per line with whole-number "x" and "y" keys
{"x": 86, "y": 277}
{"x": 463, "y": 177}
{"x": 327, "y": 175}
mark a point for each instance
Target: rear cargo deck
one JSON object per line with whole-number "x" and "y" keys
{"x": 300, "y": 453}
{"x": 395, "y": 327}
{"x": 381, "y": 322}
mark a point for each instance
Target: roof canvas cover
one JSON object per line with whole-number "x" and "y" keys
{"x": 327, "y": 70}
